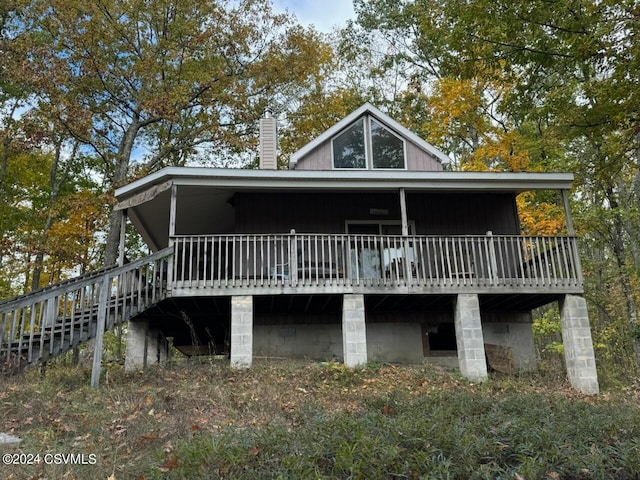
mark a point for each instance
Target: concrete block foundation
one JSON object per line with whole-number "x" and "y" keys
{"x": 518, "y": 337}
{"x": 469, "y": 338}
{"x": 145, "y": 346}
{"x": 578, "y": 346}
{"x": 395, "y": 342}
{"x": 313, "y": 341}
{"x": 241, "y": 331}
{"x": 354, "y": 331}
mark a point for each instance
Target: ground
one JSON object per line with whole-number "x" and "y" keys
{"x": 286, "y": 419}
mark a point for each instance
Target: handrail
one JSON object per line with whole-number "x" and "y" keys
{"x": 46, "y": 323}
{"x": 79, "y": 282}
{"x": 73, "y": 280}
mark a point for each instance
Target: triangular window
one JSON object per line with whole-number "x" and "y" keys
{"x": 367, "y": 144}
{"x": 387, "y": 150}
{"x": 348, "y": 147}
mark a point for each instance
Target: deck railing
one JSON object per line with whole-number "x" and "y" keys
{"x": 306, "y": 260}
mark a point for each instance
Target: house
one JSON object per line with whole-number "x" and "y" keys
{"x": 365, "y": 249}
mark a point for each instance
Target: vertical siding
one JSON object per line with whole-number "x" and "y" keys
{"x": 421, "y": 161}
{"x": 318, "y": 159}
{"x": 464, "y": 213}
{"x": 434, "y": 214}
{"x": 308, "y": 213}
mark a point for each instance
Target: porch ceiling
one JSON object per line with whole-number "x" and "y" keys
{"x": 204, "y": 194}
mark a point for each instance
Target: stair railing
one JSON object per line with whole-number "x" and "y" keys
{"x": 43, "y": 324}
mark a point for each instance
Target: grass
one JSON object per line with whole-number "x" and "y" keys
{"x": 297, "y": 420}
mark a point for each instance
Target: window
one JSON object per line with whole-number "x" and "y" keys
{"x": 348, "y": 147}
{"x": 387, "y": 150}
{"x": 368, "y": 144}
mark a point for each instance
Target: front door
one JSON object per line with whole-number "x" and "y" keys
{"x": 375, "y": 248}
{"x": 365, "y": 250}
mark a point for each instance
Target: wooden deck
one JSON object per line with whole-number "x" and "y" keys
{"x": 213, "y": 265}
{"x": 43, "y": 324}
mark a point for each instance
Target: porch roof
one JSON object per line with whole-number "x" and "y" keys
{"x": 203, "y": 193}
{"x": 348, "y": 180}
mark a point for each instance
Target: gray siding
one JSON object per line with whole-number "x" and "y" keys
{"x": 421, "y": 161}
{"x": 318, "y": 159}
{"x": 433, "y": 214}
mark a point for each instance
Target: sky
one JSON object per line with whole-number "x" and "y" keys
{"x": 323, "y": 14}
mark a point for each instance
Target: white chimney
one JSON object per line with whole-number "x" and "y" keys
{"x": 268, "y": 142}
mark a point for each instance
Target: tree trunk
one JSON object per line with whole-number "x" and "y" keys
{"x": 56, "y": 182}
{"x": 619, "y": 253}
{"x": 4, "y": 161}
{"x": 120, "y": 177}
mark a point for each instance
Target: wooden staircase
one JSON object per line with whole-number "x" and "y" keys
{"x": 41, "y": 325}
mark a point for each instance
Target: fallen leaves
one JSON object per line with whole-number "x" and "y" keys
{"x": 170, "y": 462}
{"x": 254, "y": 452}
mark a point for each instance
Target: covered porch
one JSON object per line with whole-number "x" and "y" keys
{"x": 361, "y": 240}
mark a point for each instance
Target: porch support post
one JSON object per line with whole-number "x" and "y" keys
{"x": 571, "y": 232}
{"x": 405, "y": 233}
{"x": 567, "y": 213}
{"x": 172, "y": 231}
{"x": 354, "y": 332}
{"x": 241, "y": 331}
{"x": 123, "y": 236}
{"x": 403, "y": 213}
{"x": 469, "y": 339}
{"x": 172, "y": 212}
{"x": 578, "y": 347}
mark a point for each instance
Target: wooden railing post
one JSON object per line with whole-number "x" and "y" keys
{"x": 577, "y": 264}
{"x": 293, "y": 258}
{"x": 493, "y": 262}
{"x": 102, "y": 320}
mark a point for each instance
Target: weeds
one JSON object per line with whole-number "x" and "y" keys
{"x": 201, "y": 420}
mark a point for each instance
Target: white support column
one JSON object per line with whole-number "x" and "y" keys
{"x": 405, "y": 233}
{"x": 172, "y": 231}
{"x": 578, "y": 347}
{"x": 469, "y": 339}
{"x": 172, "y": 212}
{"x": 403, "y": 213}
{"x": 354, "y": 331}
{"x": 241, "y": 331}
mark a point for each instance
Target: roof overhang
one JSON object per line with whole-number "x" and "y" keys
{"x": 205, "y": 194}
{"x": 344, "y": 180}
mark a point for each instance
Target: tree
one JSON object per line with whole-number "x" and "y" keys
{"x": 504, "y": 84}
{"x": 170, "y": 78}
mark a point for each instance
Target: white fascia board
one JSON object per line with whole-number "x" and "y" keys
{"x": 383, "y": 118}
{"x": 345, "y": 180}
